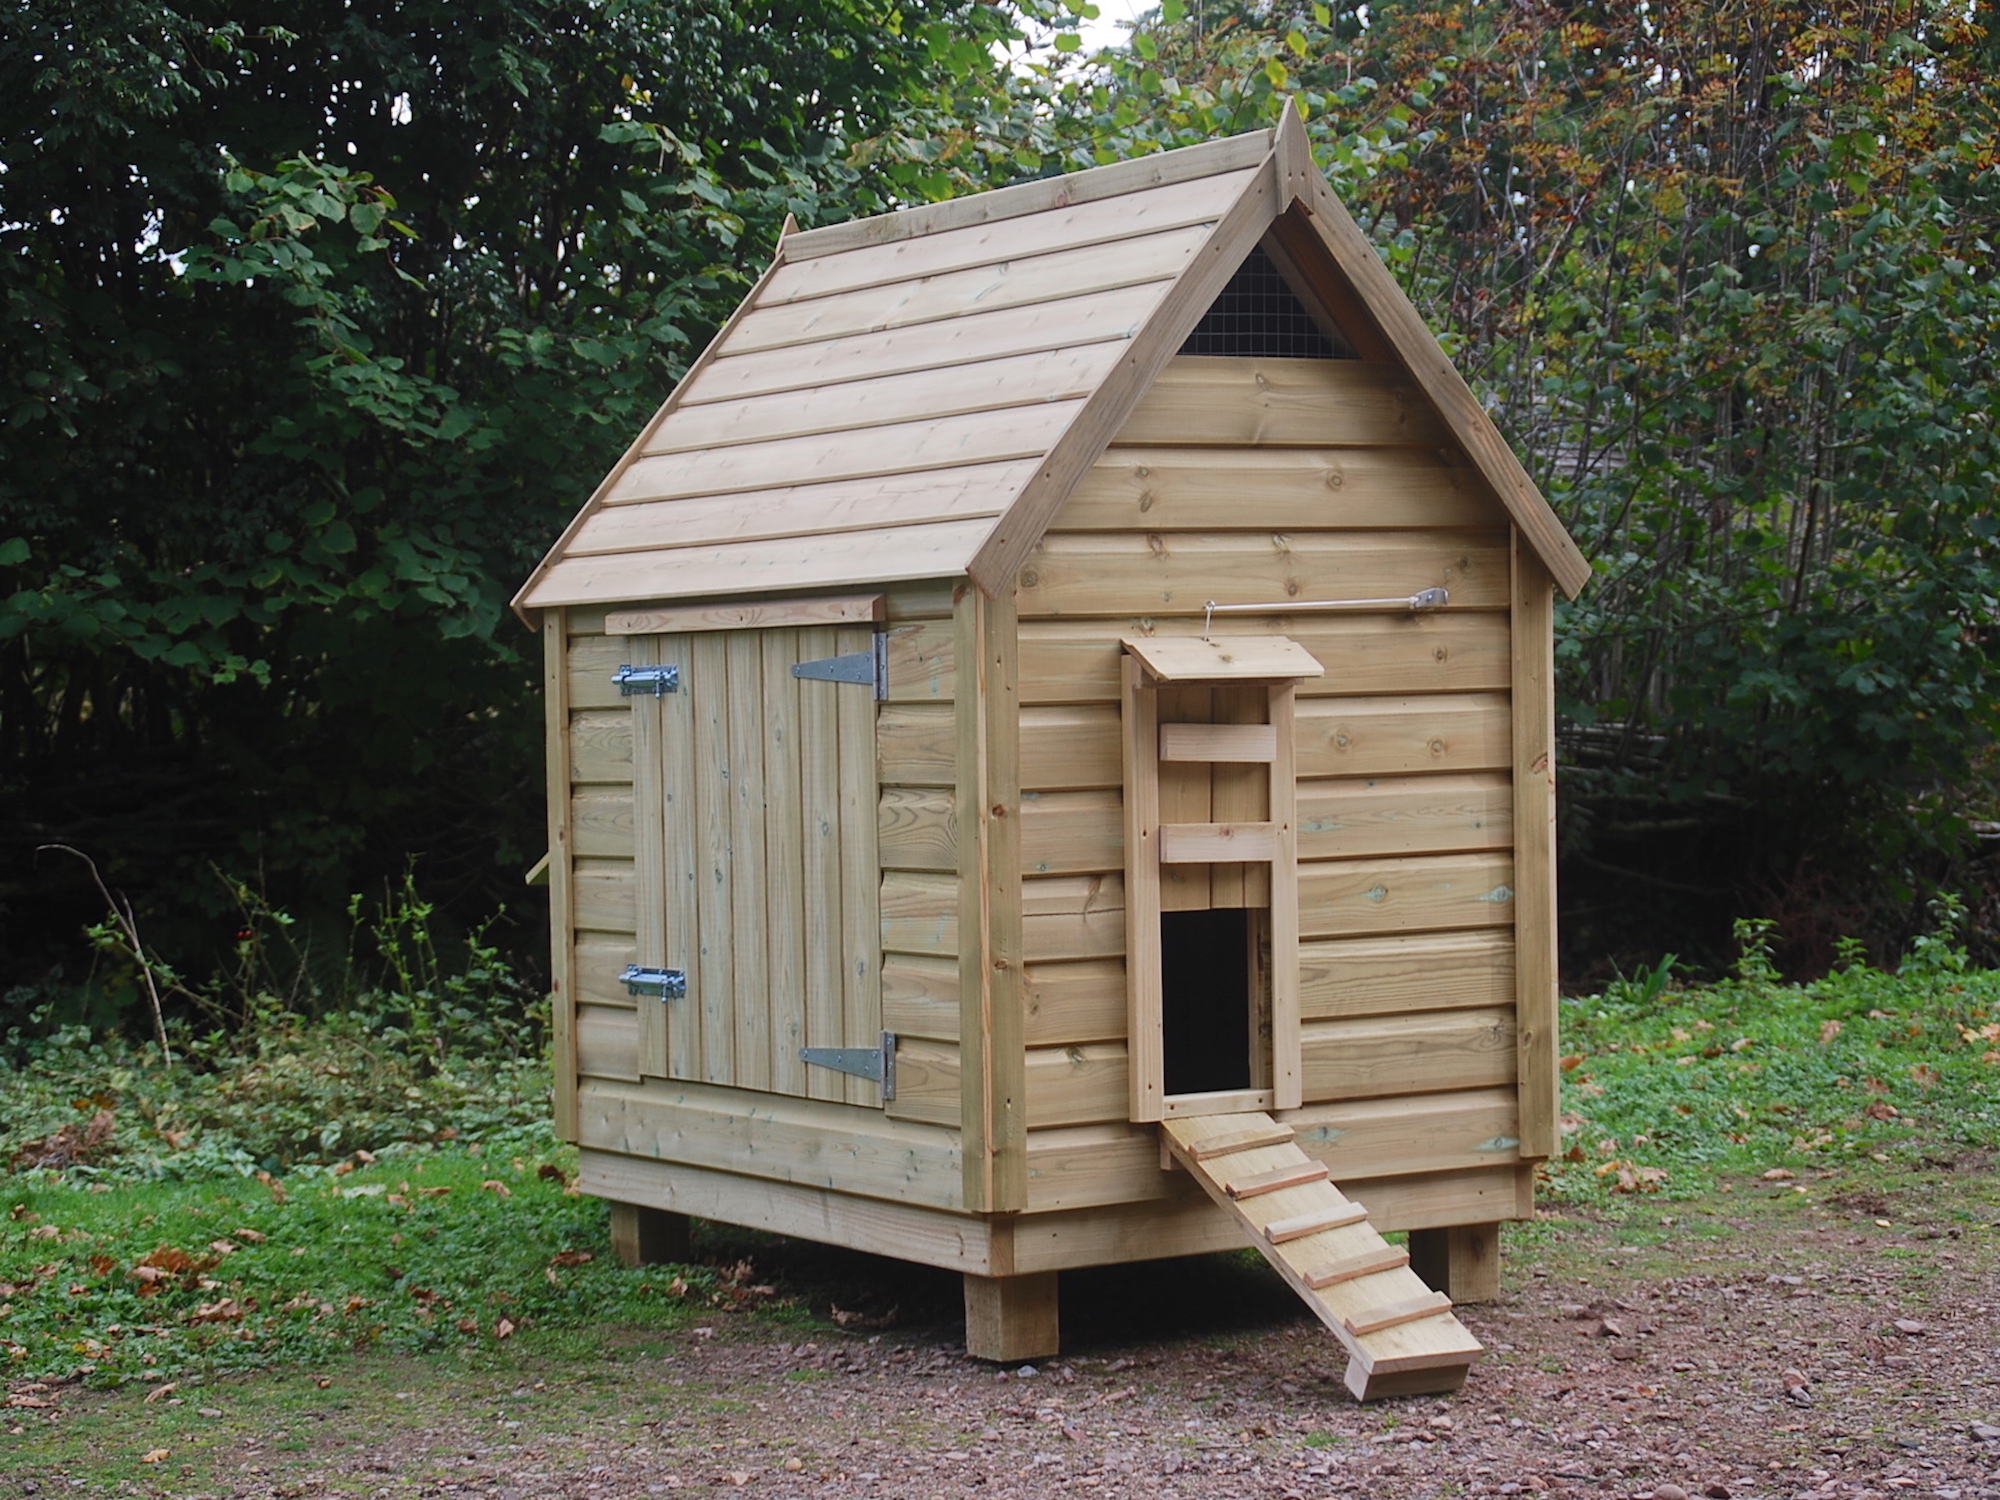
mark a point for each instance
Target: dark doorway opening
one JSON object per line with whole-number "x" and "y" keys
{"x": 1205, "y": 1000}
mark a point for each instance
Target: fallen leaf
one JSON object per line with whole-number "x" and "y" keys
{"x": 1779, "y": 1174}
{"x": 572, "y": 1258}
{"x": 160, "y": 1392}
{"x": 155, "y": 1456}
{"x": 504, "y": 1329}
{"x": 251, "y": 1236}
{"x": 1912, "y": 1327}
{"x": 1828, "y": 1031}
{"x": 1924, "y": 1075}
{"x": 496, "y": 1186}
{"x": 1881, "y": 1109}
{"x": 739, "y": 1477}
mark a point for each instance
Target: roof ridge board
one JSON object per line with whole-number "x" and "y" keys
{"x": 974, "y": 247}
{"x": 966, "y": 405}
{"x": 1090, "y": 430}
{"x": 1110, "y": 181}
{"x": 1054, "y": 338}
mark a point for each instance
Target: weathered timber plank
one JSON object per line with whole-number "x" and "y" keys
{"x": 1082, "y": 1166}
{"x": 819, "y": 796}
{"x": 1406, "y": 1133}
{"x": 927, "y": 1082}
{"x": 558, "y": 750}
{"x": 1535, "y": 851}
{"x": 1104, "y": 573}
{"x": 592, "y": 661}
{"x": 1076, "y": 661}
{"x": 920, "y": 913}
{"x": 916, "y": 745}
{"x": 1218, "y": 401}
{"x": 860, "y": 931}
{"x": 1074, "y": 916}
{"x": 1145, "y": 265}
{"x": 1436, "y": 1050}
{"x": 966, "y": 339}
{"x": 893, "y": 448}
{"x": 1395, "y": 975}
{"x": 714, "y": 1001}
{"x": 1392, "y": 736}
{"x": 1232, "y": 153}
{"x": 1431, "y": 892}
{"x": 920, "y": 664}
{"x": 1278, "y": 489}
{"x": 920, "y": 996}
{"x": 1352, "y": 818}
{"x": 600, "y": 820}
{"x": 596, "y": 963}
{"x": 766, "y": 564}
{"x": 1065, "y": 833}
{"x": 1079, "y": 1001}
{"x": 600, "y": 747}
{"x": 802, "y": 1141}
{"x": 750, "y": 857}
{"x": 1080, "y": 1084}
{"x": 788, "y": 932}
{"x": 1070, "y": 747}
{"x": 604, "y": 896}
{"x": 1234, "y": 743}
{"x": 990, "y": 386}
{"x": 760, "y": 614}
{"x": 607, "y": 1042}
{"x": 917, "y": 829}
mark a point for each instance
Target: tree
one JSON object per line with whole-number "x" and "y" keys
{"x": 319, "y": 321}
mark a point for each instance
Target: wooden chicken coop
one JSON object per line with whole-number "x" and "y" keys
{"x": 1050, "y": 754}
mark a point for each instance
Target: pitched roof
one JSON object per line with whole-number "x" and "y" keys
{"x": 914, "y": 395}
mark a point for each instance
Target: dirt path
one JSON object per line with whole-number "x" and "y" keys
{"x": 1658, "y": 1351}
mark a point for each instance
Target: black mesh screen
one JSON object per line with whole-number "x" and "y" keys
{"x": 1258, "y": 313}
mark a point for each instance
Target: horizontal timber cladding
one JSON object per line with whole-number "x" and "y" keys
{"x": 607, "y": 1042}
{"x": 600, "y": 746}
{"x": 600, "y": 822}
{"x": 1083, "y": 1166}
{"x": 1411, "y": 1133}
{"x": 1278, "y": 489}
{"x": 1116, "y": 313}
{"x": 1446, "y": 651}
{"x": 1064, "y": 917}
{"x": 804, "y": 509}
{"x": 916, "y": 744}
{"x": 806, "y": 1141}
{"x": 917, "y": 829}
{"x": 604, "y": 896}
{"x": 1395, "y": 975}
{"x": 598, "y": 964}
{"x": 1118, "y": 573}
{"x": 1364, "y": 897}
{"x": 1217, "y": 401}
{"x": 1076, "y": 746}
{"x": 1079, "y": 1084}
{"x": 1003, "y": 242}
{"x": 895, "y": 448}
{"x": 1081, "y": 832}
{"x": 987, "y": 386}
{"x": 1081, "y": 1000}
{"x": 1371, "y": 1056}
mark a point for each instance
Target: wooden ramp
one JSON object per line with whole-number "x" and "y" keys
{"x": 1401, "y": 1336}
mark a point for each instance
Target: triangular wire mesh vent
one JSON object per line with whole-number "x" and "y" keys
{"x": 1258, "y": 314}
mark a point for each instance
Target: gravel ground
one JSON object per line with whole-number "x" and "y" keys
{"x": 1764, "y": 1345}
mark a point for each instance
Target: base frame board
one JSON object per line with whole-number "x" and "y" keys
{"x": 1020, "y": 1244}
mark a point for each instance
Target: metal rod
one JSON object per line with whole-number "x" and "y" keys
{"x": 1422, "y": 600}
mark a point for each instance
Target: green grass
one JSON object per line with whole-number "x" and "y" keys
{"x": 1666, "y": 1090}
{"x": 438, "y": 1249}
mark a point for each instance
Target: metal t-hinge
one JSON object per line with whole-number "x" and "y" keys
{"x": 668, "y": 984}
{"x": 870, "y": 668}
{"x": 634, "y": 682}
{"x": 878, "y": 1063}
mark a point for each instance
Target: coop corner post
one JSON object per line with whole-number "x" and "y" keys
{"x": 1534, "y": 763}
{"x": 562, "y": 955}
{"x": 988, "y": 798}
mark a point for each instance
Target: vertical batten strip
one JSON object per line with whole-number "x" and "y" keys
{"x": 1287, "y": 1061}
{"x": 706, "y": 682}
{"x": 784, "y": 836}
{"x": 1144, "y": 1031}
{"x": 860, "y": 868}
{"x": 1006, "y": 1050}
{"x": 819, "y": 792}
{"x": 562, "y": 958}
{"x": 1535, "y": 850}
{"x": 749, "y": 873}
{"x": 649, "y": 855}
{"x": 969, "y": 712}
{"x": 681, "y": 875}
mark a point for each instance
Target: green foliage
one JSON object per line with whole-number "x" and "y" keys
{"x": 422, "y": 1251}
{"x": 314, "y": 336}
{"x": 1749, "y": 1076}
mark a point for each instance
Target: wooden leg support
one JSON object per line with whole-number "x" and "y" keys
{"x": 1011, "y": 1317}
{"x": 1463, "y": 1261}
{"x": 648, "y": 1236}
